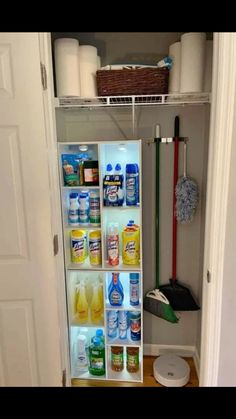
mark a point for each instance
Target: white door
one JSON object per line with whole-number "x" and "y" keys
{"x": 218, "y": 343}
{"x": 29, "y": 325}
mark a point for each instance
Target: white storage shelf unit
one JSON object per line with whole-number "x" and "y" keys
{"x": 105, "y": 152}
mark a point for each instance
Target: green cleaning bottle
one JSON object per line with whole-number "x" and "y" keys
{"x": 97, "y": 357}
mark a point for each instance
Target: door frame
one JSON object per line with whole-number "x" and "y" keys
{"x": 56, "y": 222}
{"x": 220, "y": 141}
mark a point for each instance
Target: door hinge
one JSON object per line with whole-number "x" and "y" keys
{"x": 64, "y": 378}
{"x": 43, "y": 76}
{"x": 55, "y": 244}
{"x": 208, "y": 277}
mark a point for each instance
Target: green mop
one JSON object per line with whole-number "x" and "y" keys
{"x": 155, "y": 301}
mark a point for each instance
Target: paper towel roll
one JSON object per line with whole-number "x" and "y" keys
{"x": 98, "y": 62}
{"x": 174, "y": 76}
{"x": 192, "y": 62}
{"x": 208, "y": 66}
{"x": 88, "y": 68}
{"x": 66, "y": 52}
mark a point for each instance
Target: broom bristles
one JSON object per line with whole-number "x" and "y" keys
{"x": 187, "y": 197}
{"x": 159, "y": 306}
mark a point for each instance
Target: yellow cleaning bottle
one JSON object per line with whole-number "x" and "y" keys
{"x": 96, "y": 306}
{"x": 131, "y": 244}
{"x": 82, "y": 304}
{"x": 100, "y": 291}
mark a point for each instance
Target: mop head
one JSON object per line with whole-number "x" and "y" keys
{"x": 186, "y": 193}
{"x": 156, "y": 303}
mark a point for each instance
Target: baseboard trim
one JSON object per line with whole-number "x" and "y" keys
{"x": 181, "y": 350}
{"x": 196, "y": 359}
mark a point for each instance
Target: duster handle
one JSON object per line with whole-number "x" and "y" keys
{"x": 185, "y": 158}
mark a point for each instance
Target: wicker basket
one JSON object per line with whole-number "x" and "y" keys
{"x": 141, "y": 81}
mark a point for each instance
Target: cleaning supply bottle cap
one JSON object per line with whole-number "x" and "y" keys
{"x": 96, "y": 341}
{"x": 134, "y": 275}
{"x": 99, "y": 333}
{"x": 74, "y": 195}
{"x": 109, "y": 167}
{"x": 118, "y": 167}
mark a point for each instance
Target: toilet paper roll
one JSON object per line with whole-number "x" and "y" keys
{"x": 98, "y": 62}
{"x": 66, "y": 53}
{"x": 174, "y": 75}
{"x": 192, "y": 62}
{"x": 88, "y": 68}
{"x": 208, "y": 66}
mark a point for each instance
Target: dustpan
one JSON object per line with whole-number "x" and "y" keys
{"x": 178, "y": 294}
{"x": 155, "y": 301}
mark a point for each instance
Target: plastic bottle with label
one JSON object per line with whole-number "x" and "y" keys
{"x": 134, "y": 288}
{"x": 116, "y": 292}
{"x": 135, "y": 325}
{"x": 113, "y": 244}
{"x": 119, "y": 179}
{"x": 132, "y": 359}
{"x": 122, "y": 324}
{"x": 117, "y": 358}
{"x": 109, "y": 191}
{"x": 96, "y": 307}
{"x": 132, "y": 184}
{"x": 84, "y": 208}
{"x": 78, "y": 246}
{"x": 112, "y": 323}
{"x": 100, "y": 290}
{"x": 131, "y": 244}
{"x": 73, "y": 213}
{"x": 97, "y": 357}
{"x": 94, "y": 209}
{"x": 82, "y": 304}
{"x": 95, "y": 250}
{"x": 81, "y": 359}
{"x": 99, "y": 334}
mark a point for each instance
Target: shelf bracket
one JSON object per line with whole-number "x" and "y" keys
{"x": 116, "y": 123}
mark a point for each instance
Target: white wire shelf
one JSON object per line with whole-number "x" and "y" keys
{"x": 138, "y": 100}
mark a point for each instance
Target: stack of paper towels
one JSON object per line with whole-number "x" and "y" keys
{"x": 192, "y": 64}
{"x": 66, "y": 53}
{"x": 75, "y": 68}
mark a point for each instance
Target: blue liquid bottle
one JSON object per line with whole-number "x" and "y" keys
{"x": 116, "y": 292}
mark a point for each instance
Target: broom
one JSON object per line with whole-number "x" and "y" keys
{"x": 178, "y": 295}
{"x": 186, "y": 192}
{"x": 155, "y": 301}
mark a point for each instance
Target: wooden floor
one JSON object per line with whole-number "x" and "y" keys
{"x": 149, "y": 380}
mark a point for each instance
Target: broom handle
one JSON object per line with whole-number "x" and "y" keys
{"x": 176, "y": 161}
{"x": 157, "y": 215}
